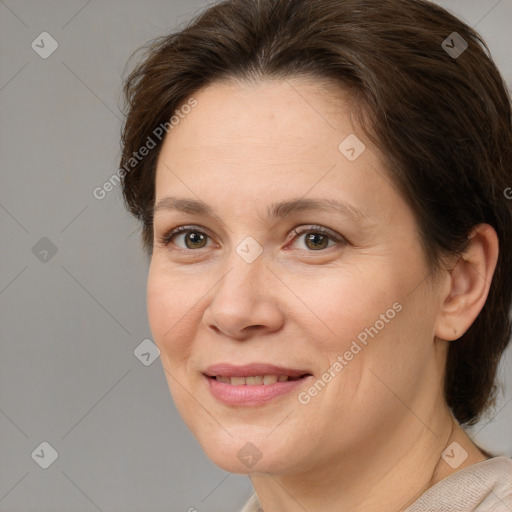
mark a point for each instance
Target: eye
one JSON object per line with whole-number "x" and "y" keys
{"x": 192, "y": 238}
{"x": 317, "y": 238}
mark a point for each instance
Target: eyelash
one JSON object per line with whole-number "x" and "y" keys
{"x": 166, "y": 239}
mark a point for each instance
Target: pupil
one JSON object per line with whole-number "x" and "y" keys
{"x": 313, "y": 237}
{"x": 195, "y": 238}
{"x": 316, "y": 239}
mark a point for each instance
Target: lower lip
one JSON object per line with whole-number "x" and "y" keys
{"x": 252, "y": 395}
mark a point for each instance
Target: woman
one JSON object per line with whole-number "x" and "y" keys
{"x": 330, "y": 244}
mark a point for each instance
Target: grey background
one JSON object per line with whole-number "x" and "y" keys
{"x": 70, "y": 324}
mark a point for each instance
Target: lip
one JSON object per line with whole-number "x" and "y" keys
{"x": 247, "y": 395}
{"x": 251, "y": 370}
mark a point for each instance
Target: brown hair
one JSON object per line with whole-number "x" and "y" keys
{"x": 443, "y": 122}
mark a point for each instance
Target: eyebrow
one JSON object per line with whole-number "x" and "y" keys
{"x": 275, "y": 210}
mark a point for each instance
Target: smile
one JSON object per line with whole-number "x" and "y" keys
{"x": 252, "y": 384}
{"x": 254, "y": 381}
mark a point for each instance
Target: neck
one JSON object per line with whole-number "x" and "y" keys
{"x": 371, "y": 477}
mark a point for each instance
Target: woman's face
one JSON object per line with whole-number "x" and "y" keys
{"x": 271, "y": 271}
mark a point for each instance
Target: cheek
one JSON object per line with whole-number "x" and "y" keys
{"x": 344, "y": 302}
{"x": 366, "y": 320}
{"x": 170, "y": 315}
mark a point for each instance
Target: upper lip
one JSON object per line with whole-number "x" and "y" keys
{"x": 251, "y": 370}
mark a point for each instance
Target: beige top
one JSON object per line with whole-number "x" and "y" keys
{"x": 482, "y": 487}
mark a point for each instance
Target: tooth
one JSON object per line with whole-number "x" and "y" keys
{"x": 269, "y": 379}
{"x": 253, "y": 381}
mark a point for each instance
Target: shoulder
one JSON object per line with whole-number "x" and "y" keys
{"x": 253, "y": 505}
{"x": 482, "y": 487}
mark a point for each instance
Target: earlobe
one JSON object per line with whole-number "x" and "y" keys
{"x": 469, "y": 284}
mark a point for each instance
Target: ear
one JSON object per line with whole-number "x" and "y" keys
{"x": 468, "y": 284}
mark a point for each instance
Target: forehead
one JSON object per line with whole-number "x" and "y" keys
{"x": 264, "y": 124}
{"x": 268, "y": 112}
{"x": 278, "y": 138}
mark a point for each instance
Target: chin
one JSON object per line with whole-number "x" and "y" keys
{"x": 245, "y": 461}
{"x": 243, "y": 456}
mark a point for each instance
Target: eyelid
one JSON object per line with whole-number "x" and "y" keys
{"x": 166, "y": 238}
{"x": 317, "y": 229}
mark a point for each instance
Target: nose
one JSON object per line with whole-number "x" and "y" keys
{"x": 245, "y": 303}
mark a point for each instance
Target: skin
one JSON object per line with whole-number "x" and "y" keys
{"x": 382, "y": 422}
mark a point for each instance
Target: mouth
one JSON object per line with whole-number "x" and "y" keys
{"x": 252, "y": 384}
{"x": 256, "y": 380}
